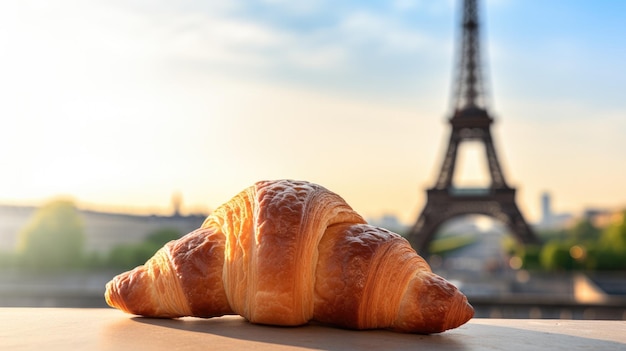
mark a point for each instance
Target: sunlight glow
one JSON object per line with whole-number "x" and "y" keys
{"x": 118, "y": 103}
{"x": 471, "y": 169}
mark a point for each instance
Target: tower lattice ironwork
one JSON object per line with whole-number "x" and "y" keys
{"x": 470, "y": 121}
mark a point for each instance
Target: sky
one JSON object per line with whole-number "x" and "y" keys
{"x": 121, "y": 104}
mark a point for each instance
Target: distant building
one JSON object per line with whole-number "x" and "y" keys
{"x": 389, "y": 222}
{"x": 107, "y": 230}
{"x": 602, "y": 217}
{"x": 103, "y": 230}
{"x": 177, "y": 202}
{"x": 546, "y": 208}
{"x": 549, "y": 219}
{"x": 12, "y": 220}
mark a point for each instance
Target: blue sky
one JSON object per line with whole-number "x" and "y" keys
{"x": 123, "y": 103}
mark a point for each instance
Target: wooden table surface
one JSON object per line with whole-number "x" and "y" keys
{"x": 109, "y": 329}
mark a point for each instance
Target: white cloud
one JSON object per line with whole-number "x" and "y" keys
{"x": 322, "y": 57}
{"x": 380, "y": 32}
{"x": 433, "y": 7}
{"x": 219, "y": 40}
{"x": 403, "y": 5}
{"x": 301, "y": 7}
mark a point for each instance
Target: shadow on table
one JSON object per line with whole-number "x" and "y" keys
{"x": 237, "y": 332}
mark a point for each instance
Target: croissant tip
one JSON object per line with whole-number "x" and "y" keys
{"x": 460, "y": 312}
{"x": 112, "y": 296}
{"x": 117, "y": 291}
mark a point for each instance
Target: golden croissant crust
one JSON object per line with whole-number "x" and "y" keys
{"x": 287, "y": 252}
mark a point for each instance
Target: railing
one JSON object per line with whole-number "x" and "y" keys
{"x": 470, "y": 191}
{"x": 546, "y": 308}
{"x": 485, "y": 307}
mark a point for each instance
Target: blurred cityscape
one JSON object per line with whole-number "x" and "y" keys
{"x": 562, "y": 278}
{"x": 111, "y": 243}
{"x": 474, "y": 253}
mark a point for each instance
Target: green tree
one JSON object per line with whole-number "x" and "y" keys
{"x": 127, "y": 256}
{"x": 585, "y": 230}
{"x": 611, "y": 250}
{"x": 615, "y": 234}
{"x": 162, "y": 236}
{"x": 530, "y": 256}
{"x": 555, "y": 255}
{"x": 53, "y": 239}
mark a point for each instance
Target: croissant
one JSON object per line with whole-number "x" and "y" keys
{"x": 287, "y": 252}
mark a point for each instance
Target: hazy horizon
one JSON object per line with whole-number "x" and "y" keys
{"x": 122, "y": 104}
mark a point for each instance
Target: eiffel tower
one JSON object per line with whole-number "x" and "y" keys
{"x": 470, "y": 121}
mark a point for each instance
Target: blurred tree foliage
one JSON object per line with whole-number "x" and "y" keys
{"x": 128, "y": 256}
{"x": 584, "y": 230}
{"x": 581, "y": 247}
{"x": 443, "y": 245}
{"x": 555, "y": 255}
{"x": 53, "y": 239}
{"x": 7, "y": 259}
{"x": 615, "y": 234}
{"x": 530, "y": 257}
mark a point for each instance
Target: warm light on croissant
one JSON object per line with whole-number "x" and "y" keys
{"x": 287, "y": 252}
